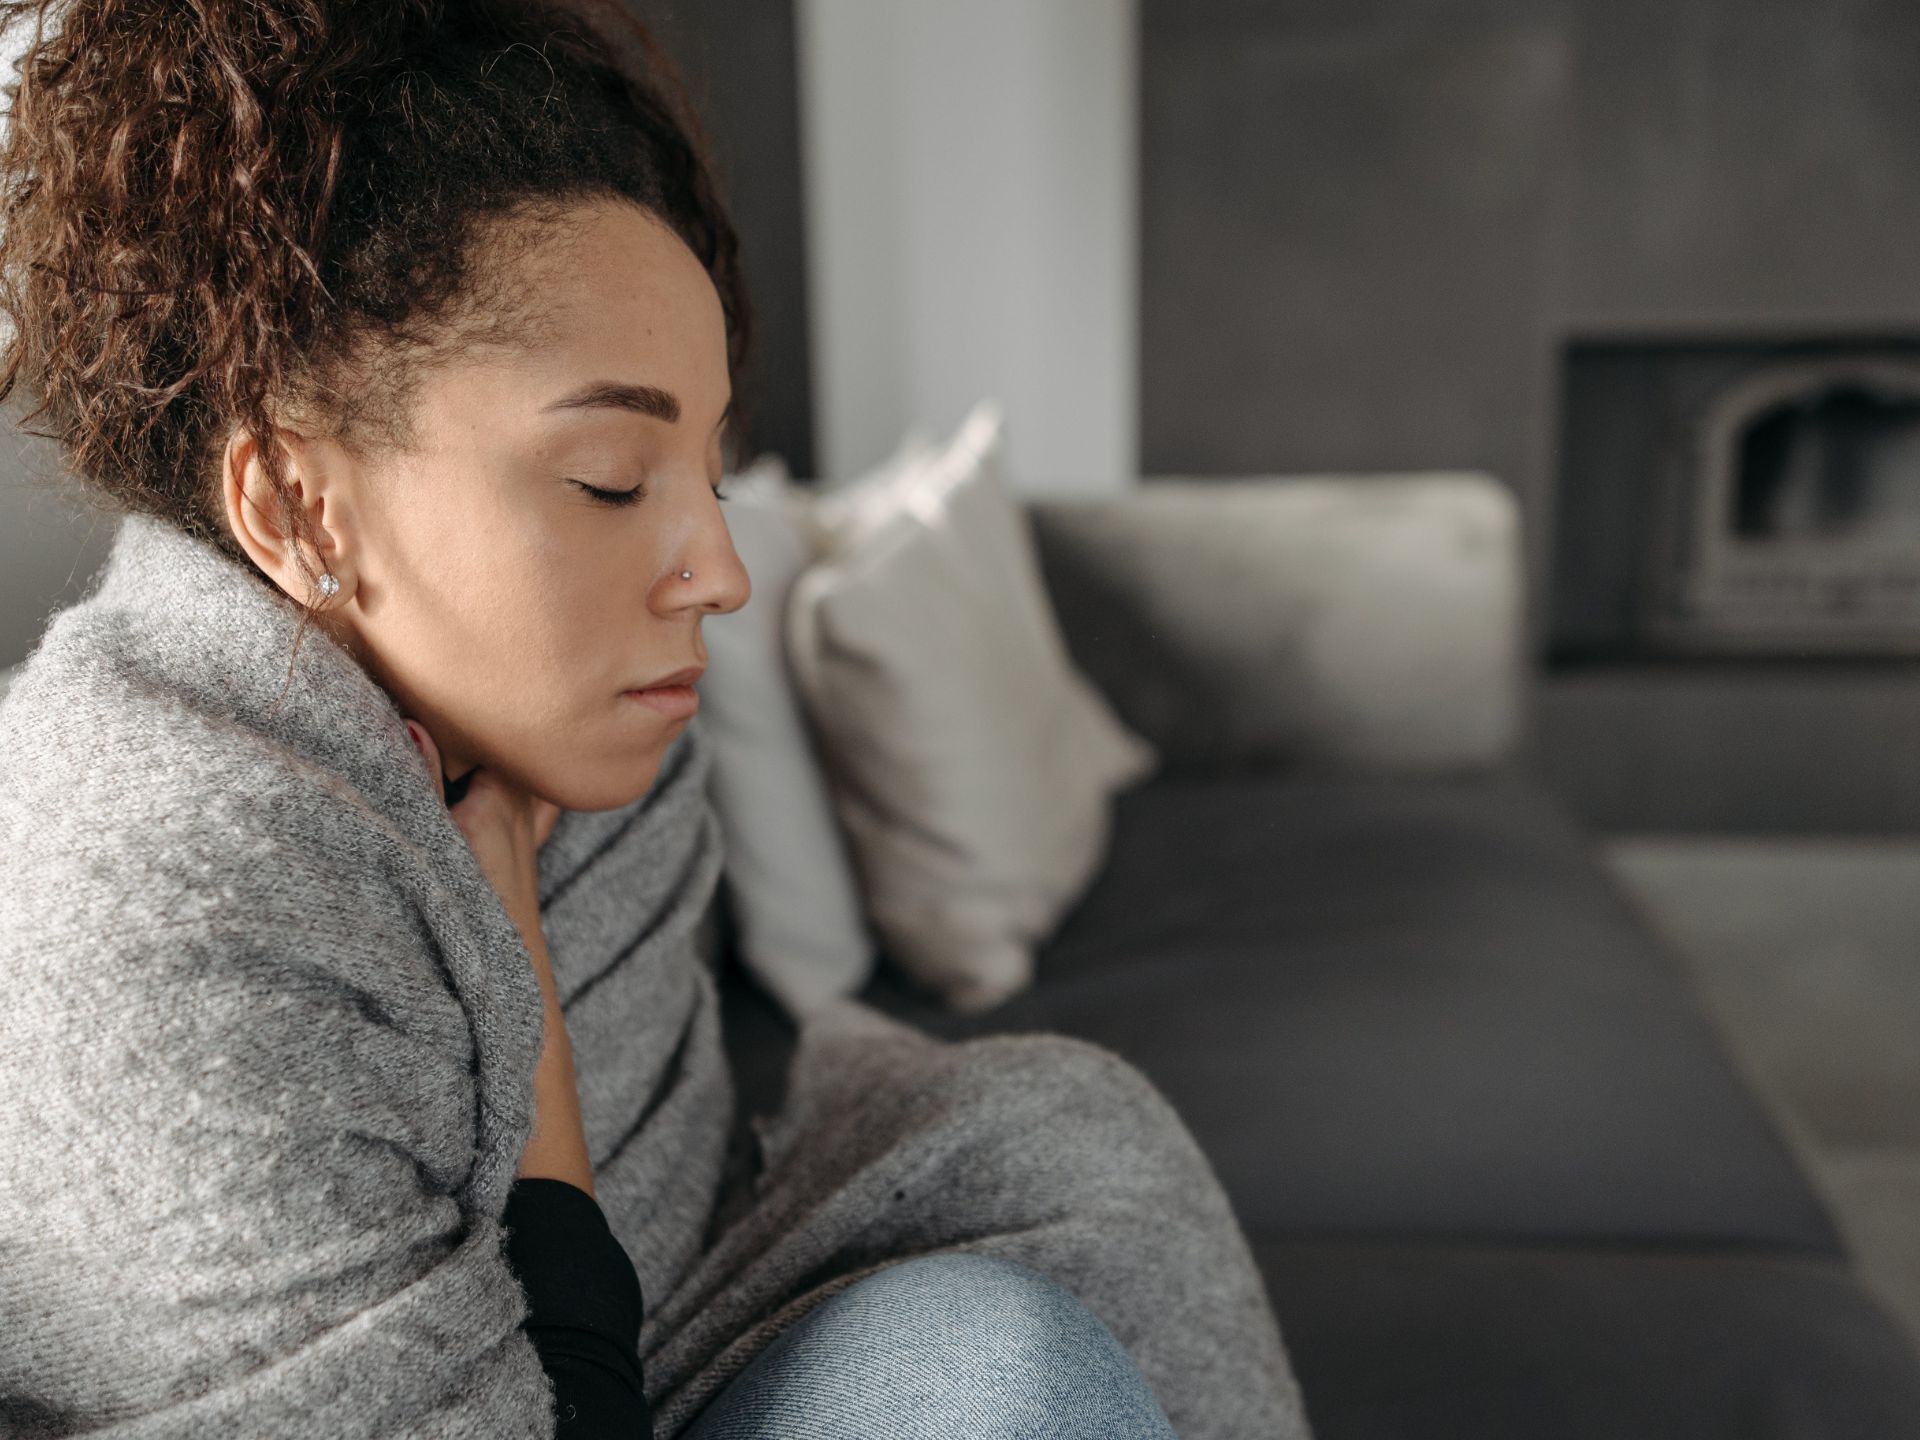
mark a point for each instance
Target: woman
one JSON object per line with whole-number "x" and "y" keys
{"x": 361, "y": 1072}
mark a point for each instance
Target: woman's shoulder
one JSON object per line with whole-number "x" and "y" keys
{"x": 180, "y": 888}
{"x": 91, "y": 761}
{"x": 131, "y": 822}
{"x": 174, "y": 841}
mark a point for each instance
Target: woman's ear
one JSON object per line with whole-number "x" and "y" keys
{"x": 315, "y": 483}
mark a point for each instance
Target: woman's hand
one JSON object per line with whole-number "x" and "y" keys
{"x": 505, "y": 827}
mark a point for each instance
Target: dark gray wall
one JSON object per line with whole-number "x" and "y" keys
{"x": 741, "y": 64}
{"x": 1744, "y": 163}
{"x": 1348, "y": 222}
{"x": 1369, "y": 225}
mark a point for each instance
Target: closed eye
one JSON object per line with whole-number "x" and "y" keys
{"x": 613, "y": 497}
{"x": 630, "y": 497}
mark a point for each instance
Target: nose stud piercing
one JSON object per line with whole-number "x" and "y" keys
{"x": 686, "y": 574}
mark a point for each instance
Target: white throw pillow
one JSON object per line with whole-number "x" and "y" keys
{"x": 795, "y": 900}
{"x": 971, "y": 764}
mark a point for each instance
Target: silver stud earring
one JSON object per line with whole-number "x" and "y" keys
{"x": 686, "y": 574}
{"x": 329, "y": 586}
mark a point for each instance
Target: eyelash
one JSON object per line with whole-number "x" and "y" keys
{"x": 633, "y": 496}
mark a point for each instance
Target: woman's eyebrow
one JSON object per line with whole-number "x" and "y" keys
{"x": 641, "y": 399}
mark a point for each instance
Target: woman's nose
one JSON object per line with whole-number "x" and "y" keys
{"x": 718, "y": 582}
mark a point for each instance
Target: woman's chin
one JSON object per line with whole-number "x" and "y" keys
{"x": 604, "y": 788}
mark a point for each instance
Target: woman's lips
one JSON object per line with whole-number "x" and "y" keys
{"x": 676, "y": 702}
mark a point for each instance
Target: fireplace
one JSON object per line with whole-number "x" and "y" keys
{"x": 1739, "y": 498}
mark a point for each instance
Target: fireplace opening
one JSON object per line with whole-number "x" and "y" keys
{"x": 1801, "y": 526}
{"x": 1839, "y": 464}
{"x": 1742, "y": 497}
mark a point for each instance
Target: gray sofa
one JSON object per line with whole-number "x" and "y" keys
{"x": 1502, "y": 1179}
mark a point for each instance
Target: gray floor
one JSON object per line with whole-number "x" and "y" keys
{"x": 1807, "y": 951}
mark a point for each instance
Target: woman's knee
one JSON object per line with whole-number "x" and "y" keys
{"x": 960, "y": 1313}
{"x": 948, "y": 1344}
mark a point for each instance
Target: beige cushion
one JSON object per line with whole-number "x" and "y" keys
{"x": 970, "y": 763}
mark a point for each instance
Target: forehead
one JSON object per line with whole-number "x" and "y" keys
{"x": 604, "y": 294}
{"x": 619, "y": 290}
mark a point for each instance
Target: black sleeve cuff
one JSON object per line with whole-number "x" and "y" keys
{"x": 573, "y": 1270}
{"x": 584, "y": 1306}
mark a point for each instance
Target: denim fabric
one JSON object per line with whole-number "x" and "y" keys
{"x": 938, "y": 1348}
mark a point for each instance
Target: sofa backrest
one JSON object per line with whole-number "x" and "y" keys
{"x": 1349, "y": 622}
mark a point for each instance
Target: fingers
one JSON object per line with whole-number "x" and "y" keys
{"x": 429, "y": 752}
{"x": 485, "y": 790}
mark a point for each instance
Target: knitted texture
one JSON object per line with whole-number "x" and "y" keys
{"x": 266, "y": 1065}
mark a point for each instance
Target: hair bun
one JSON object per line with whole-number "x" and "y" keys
{"x": 208, "y": 207}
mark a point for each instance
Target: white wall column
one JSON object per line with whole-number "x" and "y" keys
{"x": 970, "y": 189}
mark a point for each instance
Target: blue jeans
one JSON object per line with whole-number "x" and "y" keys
{"x": 936, "y": 1347}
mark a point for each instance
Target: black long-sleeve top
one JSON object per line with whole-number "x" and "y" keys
{"x": 583, "y": 1309}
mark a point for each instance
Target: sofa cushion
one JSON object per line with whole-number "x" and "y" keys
{"x": 1420, "y": 1342}
{"x": 970, "y": 762}
{"x": 1347, "y": 622}
{"x": 1410, "y": 1007}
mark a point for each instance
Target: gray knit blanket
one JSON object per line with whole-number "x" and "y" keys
{"x": 266, "y": 1059}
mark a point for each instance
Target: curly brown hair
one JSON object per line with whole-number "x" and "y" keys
{"x": 227, "y": 213}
